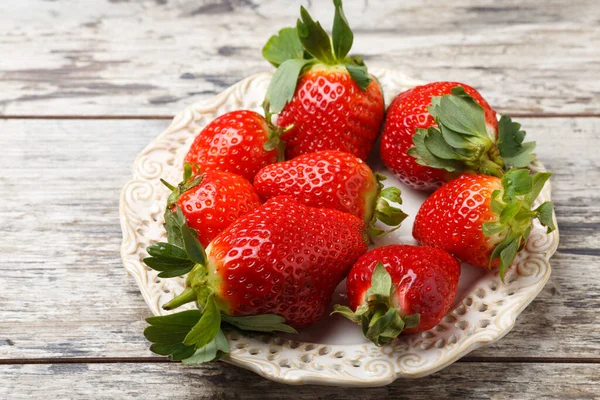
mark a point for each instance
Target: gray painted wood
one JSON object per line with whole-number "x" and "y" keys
{"x": 220, "y": 381}
{"x": 65, "y": 293}
{"x": 154, "y": 57}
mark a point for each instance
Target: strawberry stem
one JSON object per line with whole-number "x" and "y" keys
{"x": 380, "y": 320}
{"x": 187, "y": 296}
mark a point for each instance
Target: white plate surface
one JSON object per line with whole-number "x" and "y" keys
{"x": 332, "y": 352}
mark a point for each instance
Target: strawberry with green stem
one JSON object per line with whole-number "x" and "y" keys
{"x": 400, "y": 289}
{"x": 334, "y": 179}
{"x": 272, "y": 269}
{"x": 241, "y": 142}
{"x": 435, "y": 132}
{"x": 484, "y": 220}
{"x": 209, "y": 201}
{"x": 327, "y": 98}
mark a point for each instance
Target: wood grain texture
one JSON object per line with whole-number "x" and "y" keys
{"x": 219, "y": 381}
{"x": 64, "y": 292}
{"x": 153, "y": 57}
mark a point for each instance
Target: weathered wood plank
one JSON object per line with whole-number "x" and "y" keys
{"x": 101, "y": 57}
{"x": 64, "y": 293}
{"x": 220, "y": 381}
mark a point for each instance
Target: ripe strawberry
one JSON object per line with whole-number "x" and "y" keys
{"x": 400, "y": 289}
{"x": 283, "y": 258}
{"x": 329, "y": 100}
{"x": 210, "y": 201}
{"x": 434, "y": 132}
{"x": 333, "y": 179}
{"x": 483, "y": 220}
{"x": 241, "y": 142}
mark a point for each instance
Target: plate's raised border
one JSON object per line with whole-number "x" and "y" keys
{"x": 486, "y": 314}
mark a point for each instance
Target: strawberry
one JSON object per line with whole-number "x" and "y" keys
{"x": 434, "y": 132}
{"x": 241, "y": 142}
{"x": 484, "y": 220}
{"x": 210, "y": 201}
{"x": 333, "y": 179}
{"x": 280, "y": 262}
{"x": 400, "y": 289}
{"x": 326, "y": 98}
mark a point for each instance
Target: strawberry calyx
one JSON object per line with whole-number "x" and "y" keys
{"x": 381, "y": 321}
{"x": 190, "y": 180}
{"x": 195, "y": 336}
{"x": 385, "y": 212}
{"x": 461, "y": 142}
{"x": 293, "y": 50}
{"x": 514, "y": 214}
{"x": 274, "y": 141}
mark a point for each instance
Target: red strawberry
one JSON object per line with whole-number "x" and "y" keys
{"x": 483, "y": 220}
{"x": 283, "y": 258}
{"x": 400, "y": 289}
{"x": 329, "y": 100}
{"x": 434, "y": 132}
{"x": 211, "y": 201}
{"x": 333, "y": 179}
{"x": 241, "y": 142}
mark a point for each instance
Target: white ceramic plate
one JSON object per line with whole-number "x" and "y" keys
{"x": 332, "y": 352}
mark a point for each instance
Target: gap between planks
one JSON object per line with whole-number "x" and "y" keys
{"x": 168, "y": 117}
{"x": 149, "y": 360}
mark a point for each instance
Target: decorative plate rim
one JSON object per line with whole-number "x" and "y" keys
{"x": 487, "y": 313}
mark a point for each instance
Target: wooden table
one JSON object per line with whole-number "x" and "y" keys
{"x": 86, "y": 84}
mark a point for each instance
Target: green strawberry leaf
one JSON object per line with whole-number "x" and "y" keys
{"x": 545, "y": 214}
{"x": 439, "y": 146}
{"x": 184, "y": 319}
{"x": 207, "y": 327}
{"x": 510, "y": 143}
{"x": 176, "y": 351}
{"x": 167, "y": 268}
{"x": 347, "y": 312}
{"x": 284, "y": 46}
{"x": 539, "y": 180}
{"x": 314, "y": 38}
{"x": 359, "y": 74}
{"x": 283, "y": 85}
{"x": 516, "y": 182}
{"x": 342, "y": 36}
{"x": 492, "y": 228}
{"x": 496, "y": 205}
{"x": 167, "y": 250}
{"x": 381, "y": 282}
{"x": 170, "y": 260}
{"x": 174, "y": 220}
{"x": 210, "y": 352}
{"x": 515, "y": 216}
{"x": 259, "y": 323}
{"x": 412, "y": 321}
{"x": 425, "y": 157}
{"x": 460, "y": 113}
{"x": 507, "y": 256}
{"x": 379, "y": 320}
{"x": 460, "y": 142}
{"x": 385, "y": 327}
{"x": 193, "y": 248}
{"x": 167, "y": 334}
{"x": 392, "y": 193}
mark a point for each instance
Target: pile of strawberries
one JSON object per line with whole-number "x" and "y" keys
{"x": 264, "y": 242}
